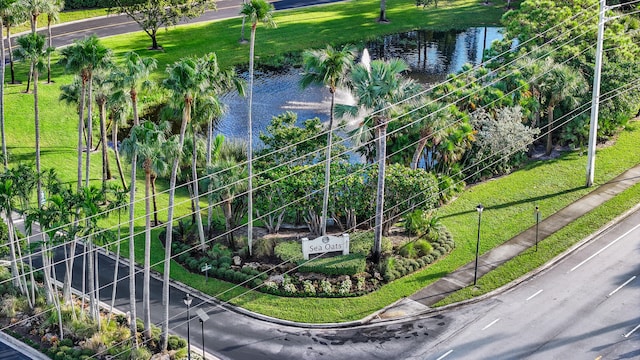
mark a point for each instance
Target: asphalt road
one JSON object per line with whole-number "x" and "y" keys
{"x": 117, "y": 24}
{"x": 585, "y": 307}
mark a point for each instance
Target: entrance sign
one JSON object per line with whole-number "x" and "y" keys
{"x": 326, "y": 243}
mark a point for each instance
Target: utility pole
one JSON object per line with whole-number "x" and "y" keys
{"x": 595, "y": 102}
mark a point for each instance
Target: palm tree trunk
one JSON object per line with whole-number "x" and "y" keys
{"x": 12, "y": 252}
{"x": 91, "y": 279}
{"x": 146, "y": 305}
{"x": 210, "y": 187}
{"x": 549, "y": 131}
{"x": 186, "y": 116}
{"x": 153, "y": 198}
{"x": 418, "y": 153}
{"x": 383, "y": 11}
{"x": 2, "y": 71}
{"x": 382, "y": 154}
{"x": 114, "y": 137}
{"x": 114, "y": 284}
{"x": 196, "y": 195}
{"x": 132, "y": 249}
{"x": 106, "y": 169}
{"x": 250, "y": 143}
{"x": 134, "y": 104}
{"x": 83, "y": 96}
{"x": 327, "y": 168}
{"x": 37, "y": 131}
{"x": 48, "y": 55}
{"x": 13, "y": 73}
{"x": 89, "y": 131}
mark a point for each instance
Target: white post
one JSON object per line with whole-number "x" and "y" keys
{"x": 345, "y": 244}
{"x": 595, "y": 102}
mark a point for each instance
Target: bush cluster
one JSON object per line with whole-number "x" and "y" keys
{"x": 350, "y": 264}
{"x": 87, "y": 4}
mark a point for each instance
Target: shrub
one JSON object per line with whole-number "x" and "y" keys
{"x": 175, "y": 342}
{"x": 423, "y": 247}
{"x": 228, "y": 274}
{"x": 326, "y": 286}
{"x": 338, "y": 265}
{"x": 345, "y": 287}
{"x": 289, "y": 251}
{"x": 362, "y": 243}
{"x": 360, "y": 283}
{"x": 308, "y": 287}
{"x": 264, "y": 247}
{"x": 290, "y": 288}
{"x": 270, "y": 286}
{"x": 442, "y": 250}
{"x": 408, "y": 250}
{"x": 415, "y": 222}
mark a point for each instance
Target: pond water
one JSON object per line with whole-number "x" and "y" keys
{"x": 432, "y": 55}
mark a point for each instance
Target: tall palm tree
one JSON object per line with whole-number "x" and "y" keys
{"x": 32, "y": 48}
{"x": 119, "y": 108}
{"x": 13, "y": 15}
{"x": 130, "y": 148}
{"x": 84, "y": 57}
{"x": 103, "y": 88}
{"x": 379, "y": 87}
{"x": 6, "y": 7}
{"x": 148, "y": 149}
{"x": 185, "y": 82}
{"x": 34, "y": 8}
{"x": 118, "y": 203}
{"x": 53, "y": 15}
{"x": 256, "y": 11}
{"x": 328, "y": 67}
{"x": 134, "y": 75}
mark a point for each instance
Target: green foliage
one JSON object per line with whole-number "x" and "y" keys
{"x": 362, "y": 243}
{"x": 264, "y": 247}
{"x": 337, "y": 265}
{"x": 289, "y": 251}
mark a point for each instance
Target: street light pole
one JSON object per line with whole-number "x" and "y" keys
{"x": 202, "y": 328}
{"x": 537, "y": 225}
{"x": 479, "y": 208}
{"x": 187, "y": 301}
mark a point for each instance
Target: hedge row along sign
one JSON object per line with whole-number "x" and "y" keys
{"x": 326, "y": 243}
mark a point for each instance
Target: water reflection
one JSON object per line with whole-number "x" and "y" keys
{"x": 432, "y": 55}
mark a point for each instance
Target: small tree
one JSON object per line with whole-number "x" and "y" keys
{"x": 152, "y": 15}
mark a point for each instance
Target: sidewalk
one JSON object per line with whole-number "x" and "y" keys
{"x": 422, "y": 300}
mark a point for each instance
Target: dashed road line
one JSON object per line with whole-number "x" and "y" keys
{"x": 534, "y": 295}
{"x": 621, "y": 286}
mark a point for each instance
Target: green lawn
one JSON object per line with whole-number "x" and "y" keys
{"x": 509, "y": 201}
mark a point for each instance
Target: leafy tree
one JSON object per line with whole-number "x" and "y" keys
{"x": 328, "y": 67}
{"x": 256, "y": 11}
{"x": 227, "y": 178}
{"x": 152, "y": 15}
{"x": 379, "y": 88}
{"x": 501, "y": 142}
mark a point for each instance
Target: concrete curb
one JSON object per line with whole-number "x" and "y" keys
{"x": 22, "y": 348}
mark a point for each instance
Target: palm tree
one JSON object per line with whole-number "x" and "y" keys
{"x": 148, "y": 149}
{"x": 328, "y": 67}
{"x": 118, "y": 203}
{"x": 5, "y": 9}
{"x": 12, "y": 14}
{"x": 32, "y": 48}
{"x": 561, "y": 84}
{"x": 84, "y": 57}
{"x": 53, "y": 15}
{"x": 433, "y": 119}
{"x": 130, "y": 148}
{"x": 256, "y": 11}
{"x": 185, "y": 81}
{"x": 34, "y": 8}
{"x": 379, "y": 87}
{"x": 134, "y": 75}
{"x": 104, "y": 87}
{"x": 119, "y": 107}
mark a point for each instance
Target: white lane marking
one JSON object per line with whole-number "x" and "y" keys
{"x": 445, "y": 355}
{"x": 534, "y": 295}
{"x": 493, "y": 322}
{"x": 604, "y": 248}
{"x": 632, "y": 331}
{"x": 621, "y": 286}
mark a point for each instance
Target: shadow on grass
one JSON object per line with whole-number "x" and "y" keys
{"x": 519, "y": 202}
